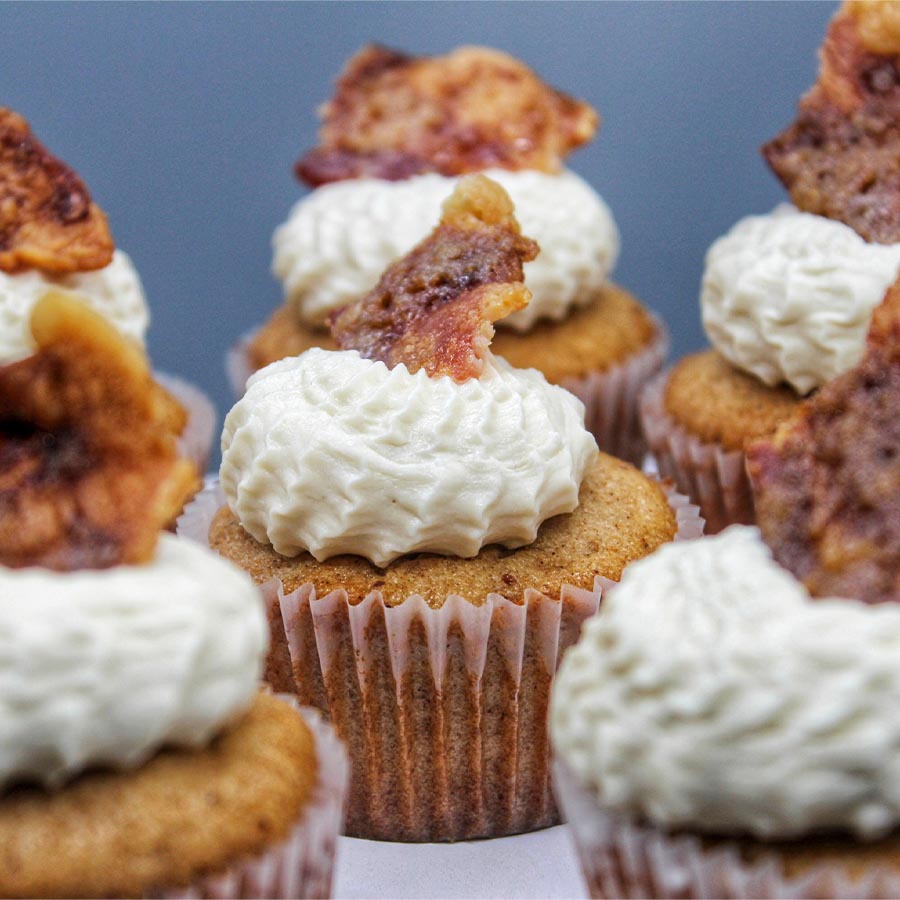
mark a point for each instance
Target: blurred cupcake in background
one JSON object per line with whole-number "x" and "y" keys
{"x": 786, "y": 298}
{"x": 137, "y": 756}
{"x": 397, "y": 134}
{"x": 724, "y": 726}
{"x": 53, "y": 237}
{"x": 432, "y": 526}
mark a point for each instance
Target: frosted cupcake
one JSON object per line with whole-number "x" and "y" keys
{"x": 396, "y": 136}
{"x": 786, "y": 298}
{"x": 137, "y": 757}
{"x": 54, "y": 238}
{"x": 430, "y": 524}
{"x": 724, "y": 725}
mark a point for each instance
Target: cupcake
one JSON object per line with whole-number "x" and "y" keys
{"x": 724, "y": 726}
{"x": 786, "y": 298}
{"x": 430, "y": 525}
{"x": 53, "y": 237}
{"x": 138, "y": 757}
{"x": 397, "y": 135}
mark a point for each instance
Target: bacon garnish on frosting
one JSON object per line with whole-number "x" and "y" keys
{"x": 394, "y": 116}
{"x": 47, "y": 219}
{"x": 435, "y": 308}
{"x": 89, "y": 470}
{"x": 827, "y": 486}
{"x": 839, "y": 157}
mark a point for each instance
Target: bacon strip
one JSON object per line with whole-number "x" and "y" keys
{"x": 434, "y": 308}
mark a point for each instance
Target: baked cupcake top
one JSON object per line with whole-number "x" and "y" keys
{"x": 54, "y": 237}
{"x": 397, "y": 134}
{"x": 413, "y": 437}
{"x": 114, "y": 641}
{"x": 744, "y": 683}
{"x": 788, "y": 296}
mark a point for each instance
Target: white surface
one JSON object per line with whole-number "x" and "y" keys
{"x": 542, "y": 864}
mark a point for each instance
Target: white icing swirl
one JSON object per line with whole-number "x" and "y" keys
{"x": 712, "y": 693}
{"x": 332, "y": 453}
{"x": 103, "y": 667}
{"x": 114, "y": 291}
{"x": 788, "y": 296}
{"x": 339, "y": 239}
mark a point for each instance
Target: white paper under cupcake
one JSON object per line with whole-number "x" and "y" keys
{"x": 620, "y": 858}
{"x": 444, "y": 711}
{"x": 302, "y": 865}
{"x": 196, "y": 440}
{"x": 713, "y": 477}
{"x": 610, "y": 397}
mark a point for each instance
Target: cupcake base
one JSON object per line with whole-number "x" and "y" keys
{"x": 196, "y": 440}
{"x": 443, "y": 707}
{"x": 620, "y": 858}
{"x": 603, "y": 353}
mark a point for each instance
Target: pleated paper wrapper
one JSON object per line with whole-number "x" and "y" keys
{"x": 444, "y": 711}
{"x": 610, "y": 397}
{"x": 196, "y": 440}
{"x": 620, "y": 858}
{"x": 713, "y": 477}
{"x": 302, "y": 865}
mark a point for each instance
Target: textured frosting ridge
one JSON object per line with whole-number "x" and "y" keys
{"x": 103, "y": 667}
{"x": 332, "y": 453}
{"x": 339, "y": 239}
{"x": 712, "y": 693}
{"x": 114, "y": 291}
{"x": 788, "y": 296}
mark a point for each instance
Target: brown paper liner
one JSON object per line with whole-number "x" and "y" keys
{"x": 713, "y": 477}
{"x": 610, "y": 397}
{"x": 443, "y": 711}
{"x": 620, "y": 858}
{"x": 196, "y": 440}
{"x": 303, "y": 864}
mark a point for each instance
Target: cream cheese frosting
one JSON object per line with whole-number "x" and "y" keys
{"x": 332, "y": 453}
{"x": 103, "y": 667}
{"x": 712, "y": 693}
{"x": 340, "y": 238}
{"x": 114, "y": 291}
{"x": 788, "y": 296}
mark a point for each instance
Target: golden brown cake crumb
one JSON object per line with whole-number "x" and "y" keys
{"x": 434, "y": 309}
{"x": 622, "y": 516}
{"x": 394, "y": 115}
{"x": 839, "y": 158}
{"x": 89, "y": 468}
{"x": 827, "y": 486}
{"x": 592, "y": 338}
{"x": 183, "y": 815}
{"x": 47, "y": 219}
{"x": 720, "y": 404}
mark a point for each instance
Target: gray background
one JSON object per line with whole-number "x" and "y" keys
{"x": 185, "y": 121}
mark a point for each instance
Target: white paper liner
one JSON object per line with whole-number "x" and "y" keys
{"x": 196, "y": 440}
{"x": 620, "y": 858}
{"x": 302, "y": 865}
{"x": 444, "y": 711}
{"x": 713, "y": 477}
{"x": 610, "y": 398}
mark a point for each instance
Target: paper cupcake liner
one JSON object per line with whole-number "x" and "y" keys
{"x": 196, "y": 440}
{"x": 303, "y": 864}
{"x": 713, "y": 477}
{"x": 443, "y": 711}
{"x": 620, "y": 858}
{"x": 610, "y": 397}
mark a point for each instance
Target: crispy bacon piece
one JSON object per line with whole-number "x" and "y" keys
{"x": 841, "y": 156}
{"x": 827, "y": 486}
{"x": 394, "y": 115}
{"x": 89, "y": 471}
{"x": 47, "y": 219}
{"x": 434, "y": 308}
